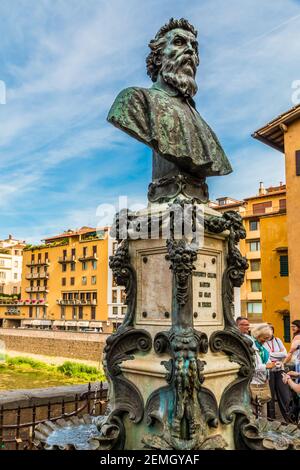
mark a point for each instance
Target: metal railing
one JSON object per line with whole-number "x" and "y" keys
{"x": 17, "y": 425}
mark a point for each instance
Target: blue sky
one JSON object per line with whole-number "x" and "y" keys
{"x": 64, "y": 61}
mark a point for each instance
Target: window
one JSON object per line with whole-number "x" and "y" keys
{"x": 261, "y": 207}
{"x": 32, "y": 258}
{"x": 115, "y": 310}
{"x": 63, "y": 281}
{"x": 286, "y": 329}
{"x": 94, "y": 264}
{"x": 254, "y": 246}
{"x": 73, "y": 266}
{"x": 88, "y": 296}
{"x": 37, "y": 313}
{"x": 46, "y": 256}
{"x": 73, "y": 253}
{"x": 284, "y": 265}
{"x": 95, "y": 250}
{"x": 62, "y": 312}
{"x": 114, "y": 296}
{"x": 72, "y": 281}
{"x": 84, "y": 251}
{"x": 255, "y": 264}
{"x": 16, "y": 264}
{"x": 39, "y": 257}
{"x": 93, "y": 313}
{"x": 44, "y": 312}
{"x": 256, "y": 286}
{"x": 65, "y": 296}
{"x": 123, "y": 296}
{"x": 2, "y": 275}
{"x": 94, "y": 280}
{"x": 2, "y": 289}
{"x": 124, "y": 310}
{"x": 254, "y": 307}
{"x": 297, "y": 162}
{"x": 15, "y": 276}
{"x": 70, "y": 295}
{"x": 74, "y": 313}
{"x": 80, "y": 312}
{"x": 282, "y": 205}
{"x": 253, "y": 225}
{"x": 84, "y": 280}
{"x": 2, "y": 263}
{"x": 64, "y": 254}
{"x": 84, "y": 265}
{"x": 30, "y": 312}
{"x": 254, "y": 311}
{"x": 16, "y": 252}
{"x": 15, "y": 290}
{"x": 94, "y": 295}
{"x": 64, "y": 267}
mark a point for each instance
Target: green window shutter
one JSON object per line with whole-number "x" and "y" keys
{"x": 286, "y": 329}
{"x": 284, "y": 265}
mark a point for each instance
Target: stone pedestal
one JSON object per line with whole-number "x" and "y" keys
{"x": 178, "y": 368}
{"x": 179, "y": 381}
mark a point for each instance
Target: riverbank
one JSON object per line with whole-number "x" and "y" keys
{"x": 21, "y": 372}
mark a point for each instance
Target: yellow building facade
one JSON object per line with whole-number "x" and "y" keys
{"x": 264, "y": 296}
{"x": 283, "y": 134}
{"x": 64, "y": 284}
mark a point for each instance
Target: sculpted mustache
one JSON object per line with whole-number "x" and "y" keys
{"x": 172, "y": 65}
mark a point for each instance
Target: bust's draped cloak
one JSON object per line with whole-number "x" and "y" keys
{"x": 172, "y": 127}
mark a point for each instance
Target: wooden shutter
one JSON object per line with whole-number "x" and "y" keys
{"x": 297, "y": 162}
{"x": 284, "y": 265}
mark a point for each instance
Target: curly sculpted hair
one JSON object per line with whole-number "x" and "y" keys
{"x": 156, "y": 45}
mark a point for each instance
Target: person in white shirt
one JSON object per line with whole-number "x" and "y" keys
{"x": 279, "y": 390}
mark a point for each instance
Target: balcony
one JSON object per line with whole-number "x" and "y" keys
{"x": 37, "y": 289}
{"x": 253, "y": 234}
{"x": 92, "y": 257}
{"x": 253, "y": 255}
{"x": 39, "y": 262}
{"x": 13, "y": 303}
{"x": 37, "y": 276}
{"x": 253, "y": 275}
{"x": 76, "y": 302}
{"x": 67, "y": 259}
{"x": 252, "y": 296}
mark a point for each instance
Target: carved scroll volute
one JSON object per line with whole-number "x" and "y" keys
{"x": 125, "y": 275}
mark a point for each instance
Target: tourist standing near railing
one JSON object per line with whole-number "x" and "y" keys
{"x": 294, "y": 352}
{"x": 279, "y": 390}
{"x": 260, "y": 389}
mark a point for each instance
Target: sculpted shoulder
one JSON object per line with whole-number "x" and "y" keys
{"x": 130, "y": 112}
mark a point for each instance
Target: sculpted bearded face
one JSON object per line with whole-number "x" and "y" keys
{"x": 179, "y": 60}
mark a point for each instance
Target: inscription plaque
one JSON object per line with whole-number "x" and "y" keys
{"x": 207, "y": 289}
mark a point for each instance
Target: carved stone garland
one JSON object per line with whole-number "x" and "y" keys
{"x": 184, "y": 408}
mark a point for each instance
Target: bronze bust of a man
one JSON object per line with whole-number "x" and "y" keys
{"x": 185, "y": 149}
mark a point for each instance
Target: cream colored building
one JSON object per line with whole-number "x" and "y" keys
{"x": 11, "y": 255}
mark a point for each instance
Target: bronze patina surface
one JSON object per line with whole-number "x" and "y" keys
{"x": 165, "y": 118}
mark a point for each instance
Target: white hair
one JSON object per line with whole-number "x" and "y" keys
{"x": 261, "y": 330}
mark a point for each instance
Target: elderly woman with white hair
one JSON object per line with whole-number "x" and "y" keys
{"x": 260, "y": 390}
